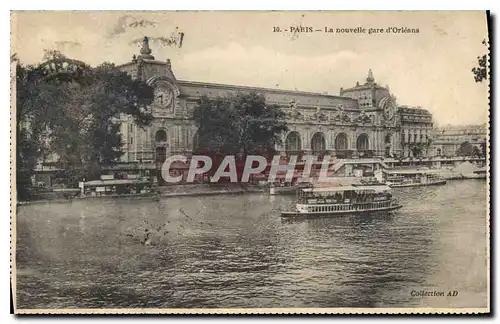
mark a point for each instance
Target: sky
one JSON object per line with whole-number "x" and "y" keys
{"x": 431, "y": 68}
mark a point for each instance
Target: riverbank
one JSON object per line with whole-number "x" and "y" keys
{"x": 207, "y": 189}
{"x": 190, "y": 190}
{"x": 167, "y": 191}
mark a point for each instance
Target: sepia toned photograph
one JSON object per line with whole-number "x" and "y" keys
{"x": 259, "y": 162}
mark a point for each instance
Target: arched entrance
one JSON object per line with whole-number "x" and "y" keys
{"x": 160, "y": 153}
{"x": 388, "y": 145}
{"x": 196, "y": 143}
{"x": 293, "y": 142}
{"x": 318, "y": 143}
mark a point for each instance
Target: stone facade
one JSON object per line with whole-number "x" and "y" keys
{"x": 362, "y": 121}
{"x": 448, "y": 138}
{"x": 416, "y": 130}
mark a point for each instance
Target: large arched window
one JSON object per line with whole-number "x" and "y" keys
{"x": 362, "y": 143}
{"x": 293, "y": 142}
{"x": 341, "y": 142}
{"x": 161, "y": 136}
{"x": 318, "y": 143}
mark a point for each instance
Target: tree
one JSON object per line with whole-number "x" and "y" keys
{"x": 476, "y": 152}
{"x": 109, "y": 94}
{"x": 483, "y": 148}
{"x": 32, "y": 119}
{"x": 239, "y": 124}
{"x": 480, "y": 71}
{"x": 416, "y": 149}
{"x": 242, "y": 123}
{"x": 69, "y": 108}
{"x": 467, "y": 149}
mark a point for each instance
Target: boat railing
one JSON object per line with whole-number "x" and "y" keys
{"x": 355, "y": 205}
{"x": 321, "y": 208}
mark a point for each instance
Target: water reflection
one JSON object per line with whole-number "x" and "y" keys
{"x": 235, "y": 251}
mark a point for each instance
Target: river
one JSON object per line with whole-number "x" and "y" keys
{"x": 235, "y": 251}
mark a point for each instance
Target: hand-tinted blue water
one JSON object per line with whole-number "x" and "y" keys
{"x": 235, "y": 251}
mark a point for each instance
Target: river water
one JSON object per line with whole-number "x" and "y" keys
{"x": 235, "y": 251}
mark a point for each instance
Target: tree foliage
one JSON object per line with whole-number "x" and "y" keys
{"x": 67, "y": 108}
{"x": 238, "y": 125}
{"x": 483, "y": 148}
{"x": 241, "y": 123}
{"x": 480, "y": 71}
{"x": 467, "y": 149}
{"x": 417, "y": 149}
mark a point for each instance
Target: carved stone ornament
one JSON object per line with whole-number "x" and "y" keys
{"x": 363, "y": 118}
{"x": 342, "y": 117}
{"x": 295, "y": 115}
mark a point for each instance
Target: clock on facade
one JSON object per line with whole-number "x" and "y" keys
{"x": 389, "y": 107}
{"x": 163, "y": 96}
{"x": 390, "y": 110}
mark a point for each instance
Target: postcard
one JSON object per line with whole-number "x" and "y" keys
{"x": 260, "y": 162}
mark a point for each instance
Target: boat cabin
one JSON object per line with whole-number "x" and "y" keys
{"x": 115, "y": 186}
{"x": 344, "y": 195}
{"x": 411, "y": 177}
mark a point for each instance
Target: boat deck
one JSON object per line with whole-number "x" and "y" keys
{"x": 296, "y": 214}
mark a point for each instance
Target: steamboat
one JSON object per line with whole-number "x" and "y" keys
{"x": 476, "y": 174}
{"x": 343, "y": 200}
{"x": 412, "y": 178}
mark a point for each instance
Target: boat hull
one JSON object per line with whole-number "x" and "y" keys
{"x": 435, "y": 183}
{"x": 295, "y": 214}
{"x": 474, "y": 176}
{"x": 292, "y": 190}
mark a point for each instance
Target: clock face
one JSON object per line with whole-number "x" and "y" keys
{"x": 389, "y": 107}
{"x": 163, "y": 96}
{"x": 389, "y": 110}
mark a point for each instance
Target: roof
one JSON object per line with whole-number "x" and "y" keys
{"x": 414, "y": 110}
{"x": 145, "y": 60}
{"x": 363, "y": 87}
{"x": 99, "y": 183}
{"x": 257, "y": 89}
{"x": 348, "y": 188}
